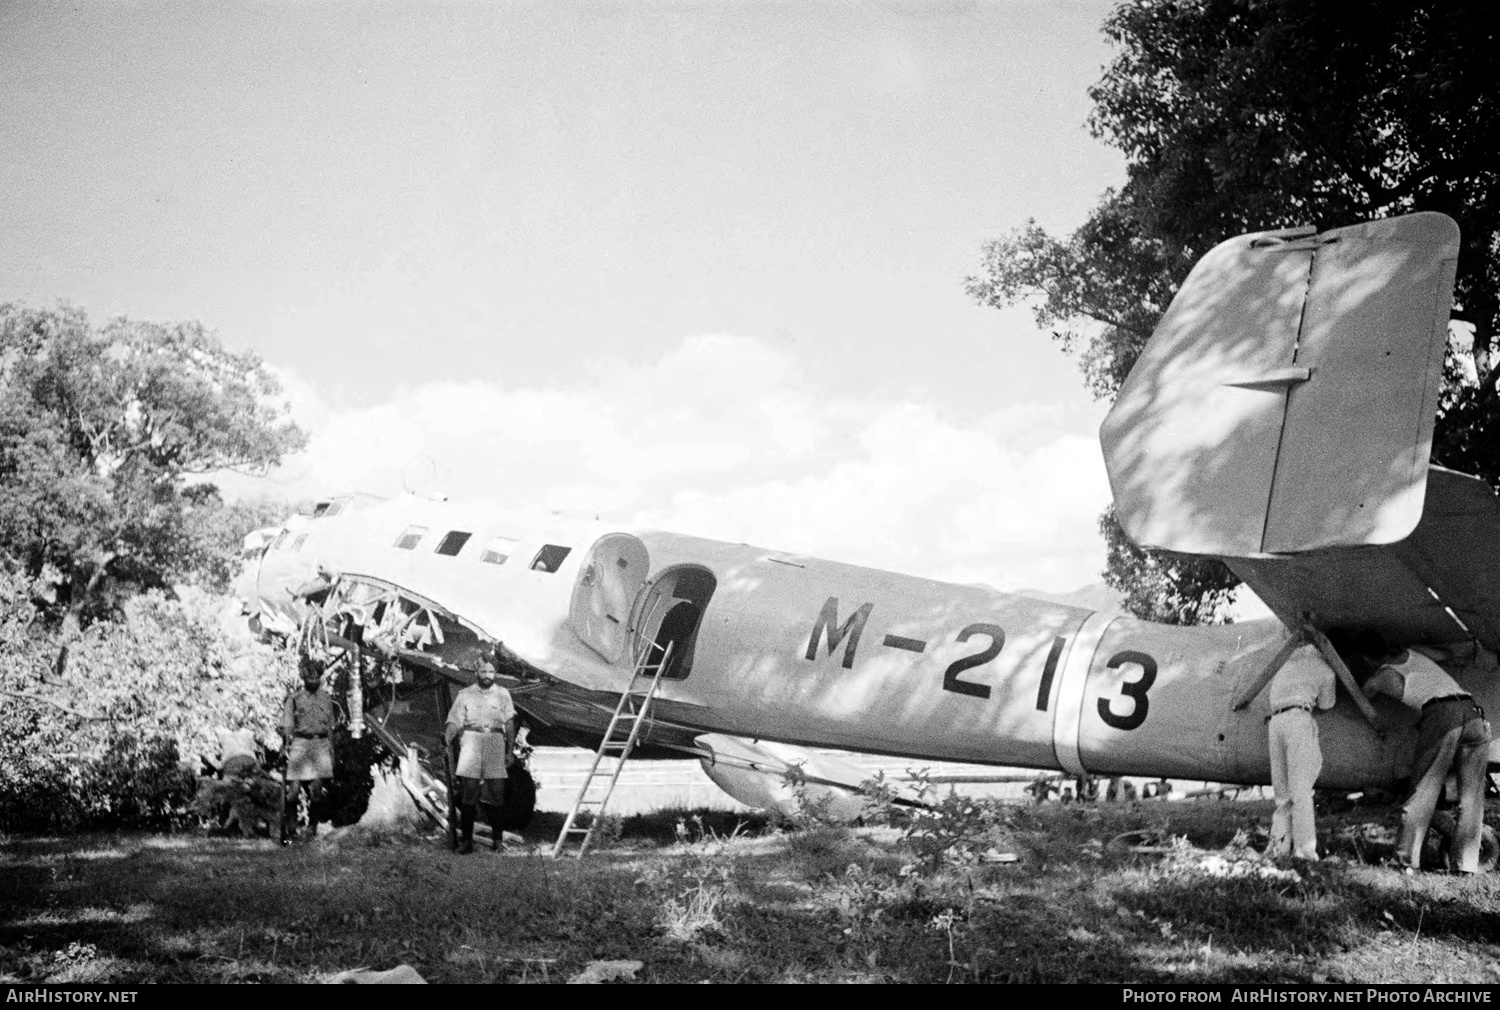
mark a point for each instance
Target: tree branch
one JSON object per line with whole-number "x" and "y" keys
{"x": 1111, "y": 321}
{"x": 55, "y": 704}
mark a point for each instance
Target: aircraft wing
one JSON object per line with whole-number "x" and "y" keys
{"x": 1440, "y": 584}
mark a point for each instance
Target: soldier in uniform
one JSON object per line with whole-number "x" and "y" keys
{"x": 483, "y": 722}
{"x": 307, "y": 728}
{"x": 1452, "y": 734}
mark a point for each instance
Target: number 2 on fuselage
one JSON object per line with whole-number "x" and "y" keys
{"x": 826, "y": 626}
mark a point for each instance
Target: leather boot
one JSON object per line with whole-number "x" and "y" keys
{"x": 289, "y": 819}
{"x": 492, "y": 818}
{"x": 466, "y": 830}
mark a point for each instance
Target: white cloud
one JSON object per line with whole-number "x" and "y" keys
{"x": 724, "y": 437}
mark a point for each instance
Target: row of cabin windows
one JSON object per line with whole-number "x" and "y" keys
{"x": 496, "y": 552}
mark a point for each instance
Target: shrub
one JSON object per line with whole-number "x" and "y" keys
{"x": 113, "y": 740}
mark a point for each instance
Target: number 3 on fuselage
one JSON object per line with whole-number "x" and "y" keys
{"x": 828, "y": 631}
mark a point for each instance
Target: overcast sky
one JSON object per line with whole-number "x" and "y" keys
{"x": 693, "y": 265}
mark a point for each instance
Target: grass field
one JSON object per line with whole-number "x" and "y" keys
{"x": 1149, "y": 891}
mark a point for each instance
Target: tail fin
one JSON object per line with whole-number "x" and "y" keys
{"x": 1286, "y": 400}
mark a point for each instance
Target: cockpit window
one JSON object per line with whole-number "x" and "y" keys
{"x": 280, "y": 539}
{"x": 453, "y": 541}
{"x": 550, "y": 558}
{"x": 410, "y": 537}
{"x": 297, "y": 544}
{"x": 321, "y": 509}
{"x": 498, "y": 550}
{"x": 335, "y": 508}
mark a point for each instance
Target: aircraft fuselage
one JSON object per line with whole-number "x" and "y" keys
{"x": 817, "y": 653}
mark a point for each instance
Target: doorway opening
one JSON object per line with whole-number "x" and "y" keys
{"x": 671, "y": 610}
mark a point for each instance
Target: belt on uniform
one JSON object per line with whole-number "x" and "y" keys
{"x": 311, "y": 736}
{"x": 484, "y": 729}
{"x": 1289, "y": 708}
{"x": 1447, "y": 697}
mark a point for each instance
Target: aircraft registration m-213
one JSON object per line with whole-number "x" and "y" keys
{"x": 1280, "y": 418}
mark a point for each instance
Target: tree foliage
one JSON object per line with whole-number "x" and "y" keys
{"x": 1238, "y": 116}
{"x": 114, "y": 738}
{"x": 107, "y": 438}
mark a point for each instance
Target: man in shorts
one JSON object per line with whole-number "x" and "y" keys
{"x": 483, "y": 723}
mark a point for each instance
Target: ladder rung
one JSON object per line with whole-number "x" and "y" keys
{"x": 630, "y": 712}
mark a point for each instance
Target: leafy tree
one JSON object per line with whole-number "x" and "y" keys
{"x": 1238, "y": 116}
{"x": 113, "y": 739}
{"x": 108, "y": 439}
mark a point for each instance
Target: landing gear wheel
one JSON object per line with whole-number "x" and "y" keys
{"x": 520, "y": 799}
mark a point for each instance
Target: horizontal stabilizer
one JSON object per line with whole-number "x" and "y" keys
{"x": 1286, "y": 400}
{"x": 1440, "y": 584}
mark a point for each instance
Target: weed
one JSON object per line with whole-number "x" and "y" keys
{"x": 610, "y": 829}
{"x": 692, "y": 830}
{"x": 695, "y": 909}
{"x": 946, "y": 922}
{"x": 861, "y": 900}
{"x": 813, "y": 807}
{"x": 951, "y": 829}
{"x": 677, "y": 824}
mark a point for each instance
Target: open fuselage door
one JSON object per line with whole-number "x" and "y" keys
{"x": 609, "y": 583}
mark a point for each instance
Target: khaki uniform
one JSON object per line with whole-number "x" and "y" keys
{"x": 481, "y": 716}
{"x": 479, "y": 720}
{"x": 307, "y": 726}
{"x": 1303, "y": 685}
{"x": 1452, "y": 734}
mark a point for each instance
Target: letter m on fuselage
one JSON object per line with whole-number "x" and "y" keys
{"x": 828, "y": 623}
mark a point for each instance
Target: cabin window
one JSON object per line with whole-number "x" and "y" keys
{"x": 453, "y": 541}
{"x": 321, "y": 509}
{"x": 297, "y": 544}
{"x": 550, "y": 558}
{"x": 410, "y": 537}
{"x": 498, "y": 550}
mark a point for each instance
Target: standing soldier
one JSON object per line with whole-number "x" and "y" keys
{"x": 1305, "y": 684}
{"x": 483, "y": 720}
{"x": 307, "y": 728}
